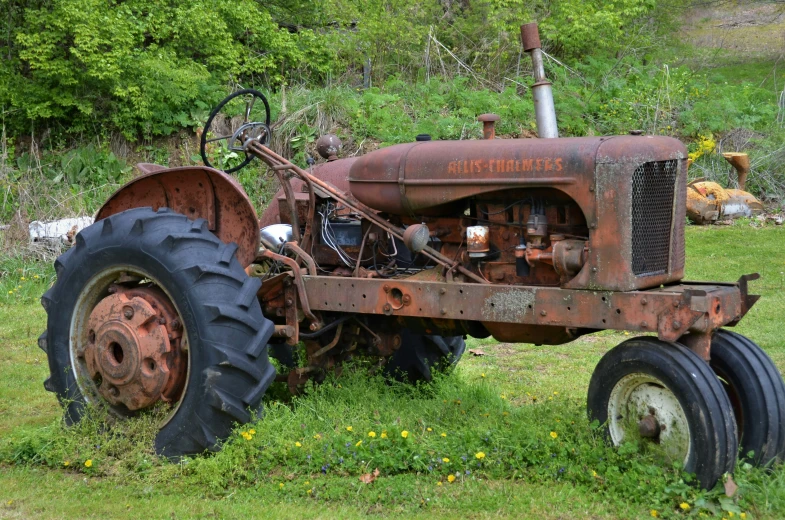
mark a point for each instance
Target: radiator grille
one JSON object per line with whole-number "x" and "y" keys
{"x": 653, "y": 186}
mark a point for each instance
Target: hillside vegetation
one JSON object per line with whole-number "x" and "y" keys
{"x": 88, "y": 87}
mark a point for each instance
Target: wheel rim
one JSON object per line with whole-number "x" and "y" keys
{"x": 128, "y": 344}
{"x": 641, "y": 407}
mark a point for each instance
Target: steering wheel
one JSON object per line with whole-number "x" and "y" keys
{"x": 221, "y": 126}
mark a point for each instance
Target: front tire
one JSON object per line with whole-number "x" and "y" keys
{"x": 666, "y": 397}
{"x": 228, "y": 367}
{"x": 757, "y": 393}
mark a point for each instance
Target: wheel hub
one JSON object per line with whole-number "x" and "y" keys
{"x": 133, "y": 351}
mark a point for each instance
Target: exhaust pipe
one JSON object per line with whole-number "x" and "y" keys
{"x": 544, "y": 110}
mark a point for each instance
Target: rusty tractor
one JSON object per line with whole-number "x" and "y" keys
{"x": 178, "y": 293}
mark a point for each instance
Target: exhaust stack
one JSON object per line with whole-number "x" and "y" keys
{"x": 541, "y": 90}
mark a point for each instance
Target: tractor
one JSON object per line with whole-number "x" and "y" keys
{"x": 179, "y": 294}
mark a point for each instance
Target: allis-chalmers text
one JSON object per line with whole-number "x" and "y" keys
{"x": 540, "y": 164}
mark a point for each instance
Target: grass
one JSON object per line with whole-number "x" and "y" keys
{"x": 504, "y": 404}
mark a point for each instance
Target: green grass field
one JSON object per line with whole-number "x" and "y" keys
{"x": 509, "y": 426}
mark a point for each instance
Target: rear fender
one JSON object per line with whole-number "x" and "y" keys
{"x": 196, "y": 192}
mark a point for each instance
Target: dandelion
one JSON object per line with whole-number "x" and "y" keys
{"x": 298, "y": 445}
{"x": 10, "y": 292}
{"x": 22, "y": 278}
{"x": 654, "y": 513}
{"x": 685, "y": 506}
{"x": 247, "y": 436}
{"x": 593, "y": 473}
{"x": 317, "y": 437}
{"x": 743, "y": 516}
{"x": 384, "y": 435}
{"x": 554, "y": 435}
{"x": 372, "y": 434}
{"x": 88, "y": 463}
{"x": 358, "y": 444}
{"x": 479, "y": 455}
{"x": 66, "y": 463}
{"x": 429, "y": 429}
{"x": 446, "y": 460}
{"x": 348, "y": 428}
{"x": 482, "y": 375}
{"x": 36, "y": 277}
{"x": 307, "y": 483}
{"x": 555, "y": 393}
{"x": 443, "y": 434}
{"x": 503, "y": 396}
{"x": 252, "y": 431}
{"x": 451, "y": 478}
{"x": 280, "y": 486}
{"x": 404, "y": 434}
{"x": 439, "y": 483}
{"x": 310, "y": 491}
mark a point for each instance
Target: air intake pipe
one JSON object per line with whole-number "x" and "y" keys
{"x": 544, "y": 110}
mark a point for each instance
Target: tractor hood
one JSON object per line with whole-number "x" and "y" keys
{"x": 417, "y": 178}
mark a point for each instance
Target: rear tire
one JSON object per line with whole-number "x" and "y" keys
{"x": 757, "y": 393}
{"x": 229, "y": 369}
{"x": 643, "y": 379}
{"x": 420, "y": 355}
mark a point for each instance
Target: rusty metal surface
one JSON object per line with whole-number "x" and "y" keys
{"x": 530, "y": 36}
{"x": 488, "y": 125}
{"x": 133, "y": 349}
{"x": 196, "y": 192}
{"x": 670, "y": 311}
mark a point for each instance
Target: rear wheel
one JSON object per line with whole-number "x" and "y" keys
{"x": 757, "y": 393}
{"x": 665, "y": 397}
{"x": 150, "y": 307}
{"x": 420, "y": 355}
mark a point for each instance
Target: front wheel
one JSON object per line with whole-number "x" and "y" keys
{"x": 150, "y": 307}
{"x": 665, "y": 397}
{"x": 757, "y": 393}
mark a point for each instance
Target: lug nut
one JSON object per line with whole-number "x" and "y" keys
{"x": 386, "y": 288}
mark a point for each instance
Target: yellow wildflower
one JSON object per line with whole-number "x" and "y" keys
{"x": 317, "y": 437}
{"x": 554, "y": 435}
{"x": 445, "y": 460}
{"x": 593, "y": 473}
{"x": 730, "y": 514}
{"x": 503, "y": 396}
{"x": 654, "y": 513}
{"x": 88, "y": 463}
{"x": 297, "y": 444}
{"x": 36, "y": 277}
{"x": 404, "y": 434}
{"x": 384, "y": 435}
{"x": 685, "y": 506}
{"x": 247, "y": 436}
{"x": 483, "y": 374}
{"x": 439, "y": 483}
{"x": 429, "y": 429}
{"x": 10, "y": 292}
{"x": 280, "y": 485}
{"x": 252, "y": 431}
{"x": 743, "y": 516}
{"x": 443, "y": 434}
{"x": 307, "y": 483}
{"x": 479, "y": 455}
{"x": 555, "y": 393}
{"x": 23, "y": 278}
{"x": 310, "y": 491}
{"x": 505, "y": 414}
{"x": 371, "y": 434}
{"x": 66, "y": 463}
{"x": 348, "y": 428}
{"x": 358, "y": 444}
{"x": 451, "y": 478}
